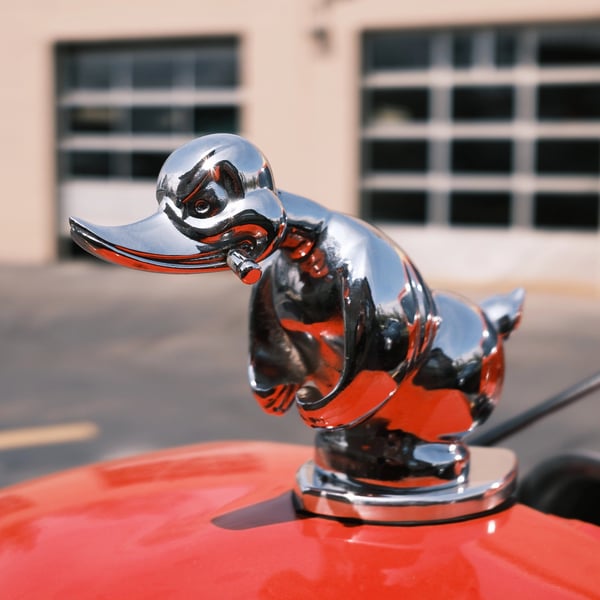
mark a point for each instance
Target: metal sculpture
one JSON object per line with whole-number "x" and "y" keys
{"x": 391, "y": 374}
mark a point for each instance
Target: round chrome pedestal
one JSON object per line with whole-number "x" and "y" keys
{"x": 490, "y": 483}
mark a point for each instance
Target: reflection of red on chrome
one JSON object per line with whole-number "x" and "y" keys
{"x": 429, "y": 414}
{"x": 301, "y": 248}
{"x": 246, "y": 269}
{"x": 492, "y": 371}
{"x": 353, "y": 403}
{"x": 279, "y": 398}
{"x": 315, "y": 264}
{"x": 325, "y": 335}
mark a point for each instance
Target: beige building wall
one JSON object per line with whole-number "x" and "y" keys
{"x": 300, "y": 91}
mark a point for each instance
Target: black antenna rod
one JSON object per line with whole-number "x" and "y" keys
{"x": 517, "y": 423}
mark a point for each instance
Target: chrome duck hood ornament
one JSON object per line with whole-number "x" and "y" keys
{"x": 391, "y": 374}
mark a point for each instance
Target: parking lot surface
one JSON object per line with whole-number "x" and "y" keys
{"x": 98, "y": 362}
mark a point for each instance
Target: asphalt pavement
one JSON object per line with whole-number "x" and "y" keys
{"x": 98, "y": 362}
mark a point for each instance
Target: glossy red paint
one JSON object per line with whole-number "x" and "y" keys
{"x": 217, "y": 521}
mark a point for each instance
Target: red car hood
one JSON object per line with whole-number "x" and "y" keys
{"x": 217, "y": 521}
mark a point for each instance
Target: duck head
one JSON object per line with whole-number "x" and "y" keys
{"x": 218, "y": 209}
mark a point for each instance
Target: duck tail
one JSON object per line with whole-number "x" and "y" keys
{"x": 505, "y": 310}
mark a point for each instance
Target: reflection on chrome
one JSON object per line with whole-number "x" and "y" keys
{"x": 391, "y": 374}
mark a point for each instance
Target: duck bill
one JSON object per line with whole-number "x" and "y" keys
{"x": 152, "y": 244}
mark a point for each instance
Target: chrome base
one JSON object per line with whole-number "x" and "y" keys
{"x": 491, "y": 482}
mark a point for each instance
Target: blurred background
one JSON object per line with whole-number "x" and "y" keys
{"x": 469, "y": 131}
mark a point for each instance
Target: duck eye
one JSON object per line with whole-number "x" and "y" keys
{"x": 200, "y": 207}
